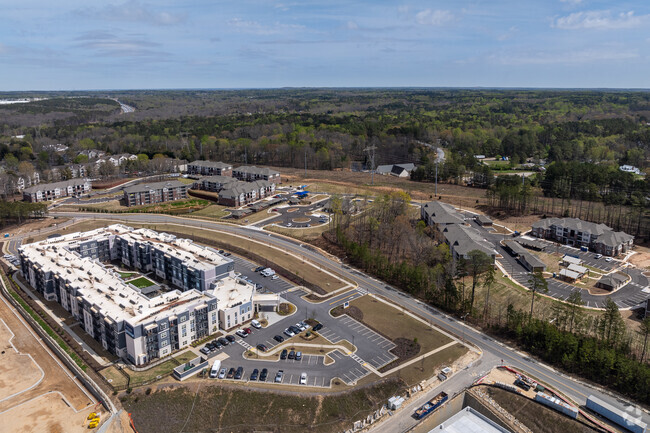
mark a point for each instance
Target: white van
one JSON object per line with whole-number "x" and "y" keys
{"x": 215, "y": 369}
{"x": 267, "y": 272}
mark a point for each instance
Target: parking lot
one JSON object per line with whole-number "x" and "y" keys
{"x": 372, "y": 348}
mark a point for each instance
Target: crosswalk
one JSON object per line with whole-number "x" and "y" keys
{"x": 244, "y": 344}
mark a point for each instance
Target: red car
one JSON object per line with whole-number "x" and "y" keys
{"x": 248, "y": 330}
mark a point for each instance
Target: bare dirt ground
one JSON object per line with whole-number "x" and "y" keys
{"x": 57, "y": 403}
{"x": 641, "y": 258}
{"x": 11, "y": 361}
{"x": 35, "y": 225}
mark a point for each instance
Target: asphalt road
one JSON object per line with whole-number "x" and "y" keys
{"x": 286, "y": 214}
{"x": 493, "y": 352}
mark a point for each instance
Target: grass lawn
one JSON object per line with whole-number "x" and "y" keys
{"x": 141, "y": 282}
{"x": 383, "y": 318}
{"x": 254, "y": 217}
{"x": 140, "y": 377}
{"x": 214, "y": 211}
{"x": 125, "y": 275}
{"x": 422, "y": 370}
{"x": 305, "y": 234}
{"x": 114, "y": 377}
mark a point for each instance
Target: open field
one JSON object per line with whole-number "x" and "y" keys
{"x": 40, "y": 389}
{"x": 232, "y": 409}
{"x": 214, "y": 211}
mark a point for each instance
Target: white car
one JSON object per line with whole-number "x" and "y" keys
{"x": 303, "y": 379}
{"x": 275, "y": 277}
{"x": 289, "y": 333}
{"x": 608, "y": 259}
{"x": 598, "y": 256}
{"x": 300, "y": 326}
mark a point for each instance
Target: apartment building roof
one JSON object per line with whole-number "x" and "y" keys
{"x": 49, "y": 186}
{"x": 443, "y": 213}
{"x": 533, "y": 260}
{"x": 213, "y": 164}
{"x": 612, "y": 280}
{"x": 606, "y": 235}
{"x": 251, "y": 169}
{"x": 236, "y": 189}
{"x": 218, "y": 179}
{"x": 465, "y": 239}
{"x": 232, "y": 292}
{"x": 148, "y": 186}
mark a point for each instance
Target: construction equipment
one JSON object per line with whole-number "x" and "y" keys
{"x": 91, "y": 416}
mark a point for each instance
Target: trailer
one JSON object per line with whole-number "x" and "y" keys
{"x": 431, "y": 405}
{"x": 630, "y": 420}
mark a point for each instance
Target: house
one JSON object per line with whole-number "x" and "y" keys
{"x": 76, "y": 170}
{"x": 120, "y": 159}
{"x": 209, "y": 168}
{"x": 57, "y": 148}
{"x": 573, "y": 231}
{"x": 157, "y": 192}
{"x": 92, "y": 153}
{"x": 611, "y": 282}
{"x": 52, "y": 191}
{"x": 570, "y": 260}
{"x": 568, "y": 275}
{"x": 26, "y": 181}
{"x": 398, "y": 170}
{"x": 252, "y": 173}
{"x": 462, "y": 239}
{"x": 629, "y": 169}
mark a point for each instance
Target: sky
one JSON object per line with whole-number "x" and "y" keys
{"x": 135, "y": 44}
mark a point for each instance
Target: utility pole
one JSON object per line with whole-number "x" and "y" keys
{"x": 436, "y": 176}
{"x": 372, "y": 160}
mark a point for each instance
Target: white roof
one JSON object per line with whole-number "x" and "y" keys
{"x": 569, "y": 274}
{"x": 231, "y": 292}
{"x": 577, "y": 268}
{"x": 469, "y": 421}
{"x": 571, "y": 259}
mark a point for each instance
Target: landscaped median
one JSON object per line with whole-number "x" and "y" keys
{"x": 317, "y": 345}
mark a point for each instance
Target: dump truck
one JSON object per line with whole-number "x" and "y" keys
{"x": 431, "y": 405}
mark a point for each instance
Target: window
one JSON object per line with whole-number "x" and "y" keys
{"x": 214, "y": 317}
{"x": 192, "y": 325}
{"x": 184, "y": 331}
{"x": 163, "y": 334}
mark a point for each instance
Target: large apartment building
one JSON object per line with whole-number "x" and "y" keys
{"x": 573, "y": 231}
{"x": 209, "y": 168}
{"x": 242, "y": 193}
{"x": 451, "y": 229}
{"x": 136, "y": 324}
{"x": 252, "y": 173}
{"x": 157, "y": 192}
{"x": 53, "y": 191}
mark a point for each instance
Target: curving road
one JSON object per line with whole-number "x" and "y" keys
{"x": 493, "y": 352}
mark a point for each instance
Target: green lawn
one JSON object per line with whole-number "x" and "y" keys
{"x": 142, "y": 282}
{"x": 125, "y": 275}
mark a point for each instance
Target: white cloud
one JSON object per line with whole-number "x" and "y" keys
{"x": 133, "y": 11}
{"x": 591, "y": 55}
{"x": 572, "y": 2}
{"x": 600, "y": 20}
{"x": 256, "y": 28}
{"x": 433, "y": 17}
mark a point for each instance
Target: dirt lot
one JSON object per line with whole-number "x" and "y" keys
{"x": 55, "y": 404}
{"x": 641, "y": 258}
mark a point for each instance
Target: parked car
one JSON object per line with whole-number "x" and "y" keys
{"x": 292, "y": 354}
{"x": 275, "y": 277}
{"x": 226, "y": 254}
{"x": 298, "y": 356}
{"x": 318, "y": 327}
{"x": 230, "y": 338}
{"x": 254, "y": 374}
{"x": 221, "y": 251}
{"x": 283, "y": 355}
{"x": 241, "y": 333}
{"x": 223, "y": 341}
{"x": 263, "y": 375}
{"x": 288, "y": 224}
{"x": 204, "y": 350}
{"x": 231, "y": 373}
{"x": 262, "y": 347}
{"x": 222, "y": 373}
{"x": 598, "y": 256}
{"x": 303, "y": 379}
{"x": 260, "y": 268}
{"x": 278, "y": 376}
{"x": 256, "y": 324}
{"x": 295, "y": 329}
{"x": 300, "y": 326}
{"x": 249, "y": 281}
{"x": 217, "y": 344}
{"x": 239, "y": 373}
{"x": 278, "y": 338}
{"x": 210, "y": 346}
{"x": 608, "y": 259}
{"x": 289, "y": 333}
{"x": 303, "y": 323}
